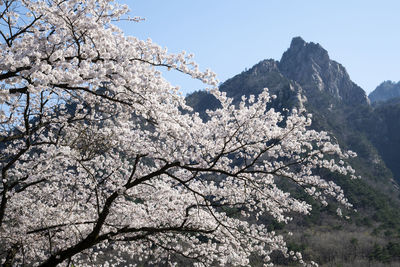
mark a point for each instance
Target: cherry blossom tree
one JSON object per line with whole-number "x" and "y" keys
{"x": 100, "y": 154}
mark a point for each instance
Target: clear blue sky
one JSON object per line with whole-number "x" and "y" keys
{"x": 228, "y": 36}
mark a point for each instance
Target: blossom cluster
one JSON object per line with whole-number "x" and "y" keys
{"x": 100, "y": 152}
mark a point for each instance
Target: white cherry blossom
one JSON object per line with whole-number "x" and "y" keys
{"x": 99, "y": 152}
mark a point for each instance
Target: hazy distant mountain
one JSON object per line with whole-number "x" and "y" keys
{"x": 382, "y": 126}
{"x": 385, "y": 91}
{"x": 385, "y": 133}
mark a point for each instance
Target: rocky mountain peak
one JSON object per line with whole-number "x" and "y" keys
{"x": 300, "y": 51}
{"x": 309, "y": 65}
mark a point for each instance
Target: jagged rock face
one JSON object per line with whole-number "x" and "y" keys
{"x": 309, "y": 65}
{"x": 385, "y": 91}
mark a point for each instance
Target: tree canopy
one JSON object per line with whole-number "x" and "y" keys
{"x": 100, "y": 152}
